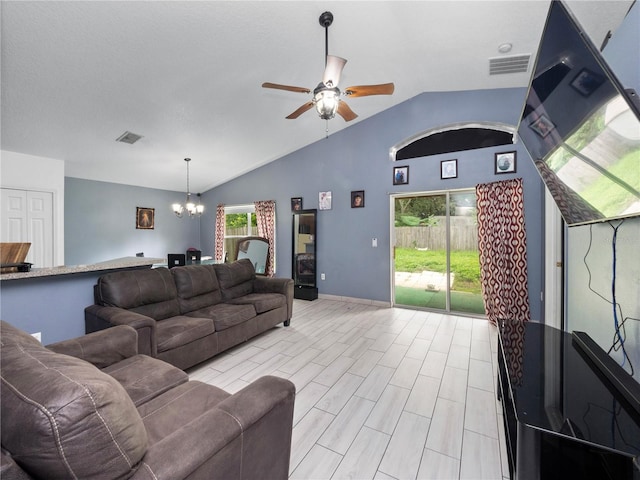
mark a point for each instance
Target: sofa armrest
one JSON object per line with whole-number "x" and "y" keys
{"x": 276, "y": 285}
{"x": 102, "y": 348}
{"x": 246, "y": 436}
{"x": 264, "y": 410}
{"x": 97, "y": 317}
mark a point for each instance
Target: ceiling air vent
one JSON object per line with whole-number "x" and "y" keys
{"x": 128, "y": 137}
{"x": 512, "y": 64}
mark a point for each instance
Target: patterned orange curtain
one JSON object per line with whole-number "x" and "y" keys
{"x": 220, "y": 228}
{"x": 266, "y": 219}
{"x": 502, "y": 245}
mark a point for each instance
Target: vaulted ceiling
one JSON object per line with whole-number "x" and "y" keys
{"x": 187, "y": 75}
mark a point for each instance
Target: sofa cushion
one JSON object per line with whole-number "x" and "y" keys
{"x": 177, "y": 331}
{"x": 64, "y": 418}
{"x": 145, "y": 378}
{"x": 236, "y": 278}
{"x": 197, "y": 287}
{"x": 262, "y": 302}
{"x": 177, "y": 407}
{"x": 151, "y": 292}
{"x": 225, "y": 315}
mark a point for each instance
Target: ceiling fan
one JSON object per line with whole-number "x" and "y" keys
{"x": 326, "y": 96}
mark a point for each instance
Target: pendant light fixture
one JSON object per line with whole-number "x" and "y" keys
{"x": 191, "y": 208}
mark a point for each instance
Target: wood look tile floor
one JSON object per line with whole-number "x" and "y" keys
{"x": 381, "y": 393}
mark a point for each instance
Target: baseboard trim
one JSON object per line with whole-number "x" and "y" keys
{"x": 363, "y": 301}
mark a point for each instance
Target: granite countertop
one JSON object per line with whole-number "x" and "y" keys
{"x": 118, "y": 263}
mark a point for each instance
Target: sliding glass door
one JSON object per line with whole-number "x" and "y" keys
{"x": 435, "y": 261}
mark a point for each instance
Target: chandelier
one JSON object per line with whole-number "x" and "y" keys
{"x": 191, "y": 208}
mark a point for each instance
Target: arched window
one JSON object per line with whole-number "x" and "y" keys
{"x": 453, "y": 138}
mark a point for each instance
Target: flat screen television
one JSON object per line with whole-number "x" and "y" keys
{"x": 581, "y": 127}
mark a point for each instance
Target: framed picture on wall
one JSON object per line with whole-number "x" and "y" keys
{"x": 505, "y": 162}
{"x": 400, "y": 175}
{"x": 448, "y": 169}
{"x": 324, "y": 200}
{"x": 145, "y": 218}
{"x": 357, "y": 199}
{"x": 296, "y": 203}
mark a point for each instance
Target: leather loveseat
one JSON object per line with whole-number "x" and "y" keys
{"x": 93, "y": 408}
{"x": 188, "y": 314}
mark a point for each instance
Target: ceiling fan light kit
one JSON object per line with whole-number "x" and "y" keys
{"x": 326, "y": 96}
{"x": 326, "y": 101}
{"x": 189, "y": 207}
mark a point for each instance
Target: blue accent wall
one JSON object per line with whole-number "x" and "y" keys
{"x": 53, "y": 306}
{"x": 100, "y": 223}
{"x": 622, "y": 53}
{"x": 357, "y": 158}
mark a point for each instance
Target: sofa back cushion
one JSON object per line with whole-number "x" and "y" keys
{"x": 64, "y": 418}
{"x": 236, "y": 278}
{"x": 197, "y": 287}
{"x": 150, "y": 292}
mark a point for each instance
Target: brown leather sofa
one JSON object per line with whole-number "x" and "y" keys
{"x": 188, "y": 314}
{"x": 93, "y": 408}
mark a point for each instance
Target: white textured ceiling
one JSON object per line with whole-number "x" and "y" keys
{"x": 187, "y": 75}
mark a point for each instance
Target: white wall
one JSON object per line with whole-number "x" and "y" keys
{"x": 590, "y": 289}
{"x": 28, "y": 172}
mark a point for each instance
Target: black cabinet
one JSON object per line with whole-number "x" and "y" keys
{"x": 562, "y": 419}
{"x": 304, "y": 254}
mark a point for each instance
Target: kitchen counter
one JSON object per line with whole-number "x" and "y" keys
{"x": 116, "y": 264}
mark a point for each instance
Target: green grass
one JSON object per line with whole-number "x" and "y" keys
{"x": 464, "y": 265}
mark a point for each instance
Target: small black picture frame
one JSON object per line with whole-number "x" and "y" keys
{"x": 296, "y": 203}
{"x": 505, "y": 162}
{"x": 448, "y": 169}
{"x": 586, "y": 82}
{"x": 357, "y": 199}
{"x": 145, "y": 218}
{"x": 542, "y": 126}
{"x": 401, "y": 175}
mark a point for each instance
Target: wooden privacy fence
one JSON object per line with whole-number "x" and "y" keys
{"x": 241, "y": 231}
{"x": 463, "y": 237}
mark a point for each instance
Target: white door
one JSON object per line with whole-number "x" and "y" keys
{"x": 27, "y": 216}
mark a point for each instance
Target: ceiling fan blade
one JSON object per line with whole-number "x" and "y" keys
{"x": 277, "y": 86}
{"x": 333, "y": 70}
{"x": 300, "y": 110}
{"x": 364, "y": 90}
{"x": 345, "y": 112}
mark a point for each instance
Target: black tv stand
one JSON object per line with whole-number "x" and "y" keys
{"x": 613, "y": 374}
{"x": 562, "y": 417}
